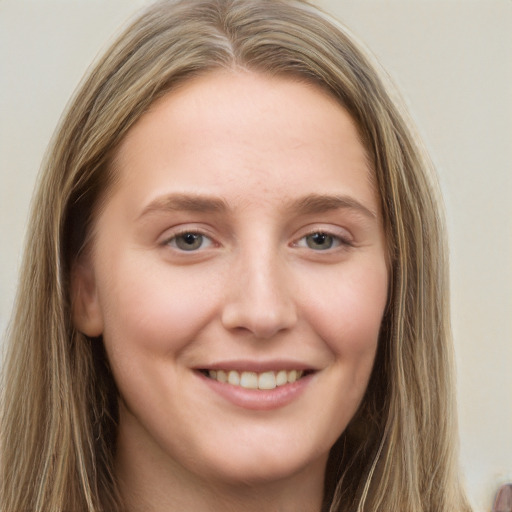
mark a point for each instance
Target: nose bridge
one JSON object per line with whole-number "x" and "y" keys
{"x": 258, "y": 297}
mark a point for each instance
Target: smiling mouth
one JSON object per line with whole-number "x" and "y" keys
{"x": 253, "y": 380}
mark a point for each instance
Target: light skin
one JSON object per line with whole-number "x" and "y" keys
{"x": 243, "y": 234}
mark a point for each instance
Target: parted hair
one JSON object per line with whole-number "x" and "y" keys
{"x": 59, "y": 402}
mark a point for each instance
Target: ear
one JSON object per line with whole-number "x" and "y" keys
{"x": 85, "y": 305}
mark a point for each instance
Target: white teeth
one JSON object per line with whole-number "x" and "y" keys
{"x": 267, "y": 380}
{"x": 234, "y": 378}
{"x": 249, "y": 380}
{"x": 253, "y": 380}
{"x": 281, "y": 378}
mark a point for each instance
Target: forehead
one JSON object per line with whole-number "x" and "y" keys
{"x": 228, "y": 128}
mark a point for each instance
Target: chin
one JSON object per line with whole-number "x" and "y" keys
{"x": 263, "y": 466}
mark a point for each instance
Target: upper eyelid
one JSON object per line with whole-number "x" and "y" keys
{"x": 187, "y": 232}
{"x": 342, "y": 240}
{"x": 182, "y": 229}
{"x": 336, "y": 231}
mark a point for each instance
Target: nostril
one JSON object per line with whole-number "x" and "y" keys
{"x": 262, "y": 323}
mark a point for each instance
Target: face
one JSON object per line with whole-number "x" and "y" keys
{"x": 238, "y": 277}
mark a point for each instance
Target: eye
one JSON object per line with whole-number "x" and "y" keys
{"x": 321, "y": 241}
{"x": 189, "y": 241}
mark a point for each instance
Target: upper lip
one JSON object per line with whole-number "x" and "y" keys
{"x": 245, "y": 365}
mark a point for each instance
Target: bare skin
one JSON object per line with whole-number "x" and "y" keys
{"x": 243, "y": 241}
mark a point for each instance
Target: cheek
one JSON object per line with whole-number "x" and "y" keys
{"x": 153, "y": 308}
{"x": 348, "y": 313}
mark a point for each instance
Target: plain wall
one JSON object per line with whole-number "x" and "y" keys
{"x": 452, "y": 60}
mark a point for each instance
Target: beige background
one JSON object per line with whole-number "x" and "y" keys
{"x": 452, "y": 60}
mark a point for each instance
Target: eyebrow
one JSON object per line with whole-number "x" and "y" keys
{"x": 185, "y": 202}
{"x": 319, "y": 203}
{"x": 308, "y": 205}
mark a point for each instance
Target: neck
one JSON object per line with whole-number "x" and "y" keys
{"x": 153, "y": 482}
{"x": 138, "y": 494}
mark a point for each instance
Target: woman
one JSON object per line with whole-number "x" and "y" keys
{"x": 235, "y": 289}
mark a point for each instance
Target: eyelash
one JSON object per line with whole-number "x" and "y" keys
{"x": 337, "y": 240}
{"x": 171, "y": 242}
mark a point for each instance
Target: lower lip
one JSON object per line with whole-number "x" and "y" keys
{"x": 258, "y": 399}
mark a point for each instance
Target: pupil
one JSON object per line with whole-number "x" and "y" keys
{"x": 190, "y": 238}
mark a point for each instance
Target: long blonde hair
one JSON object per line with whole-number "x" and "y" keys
{"x": 59, "y": 403}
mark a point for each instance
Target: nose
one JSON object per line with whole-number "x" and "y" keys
{"x": 258, "y": 299}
